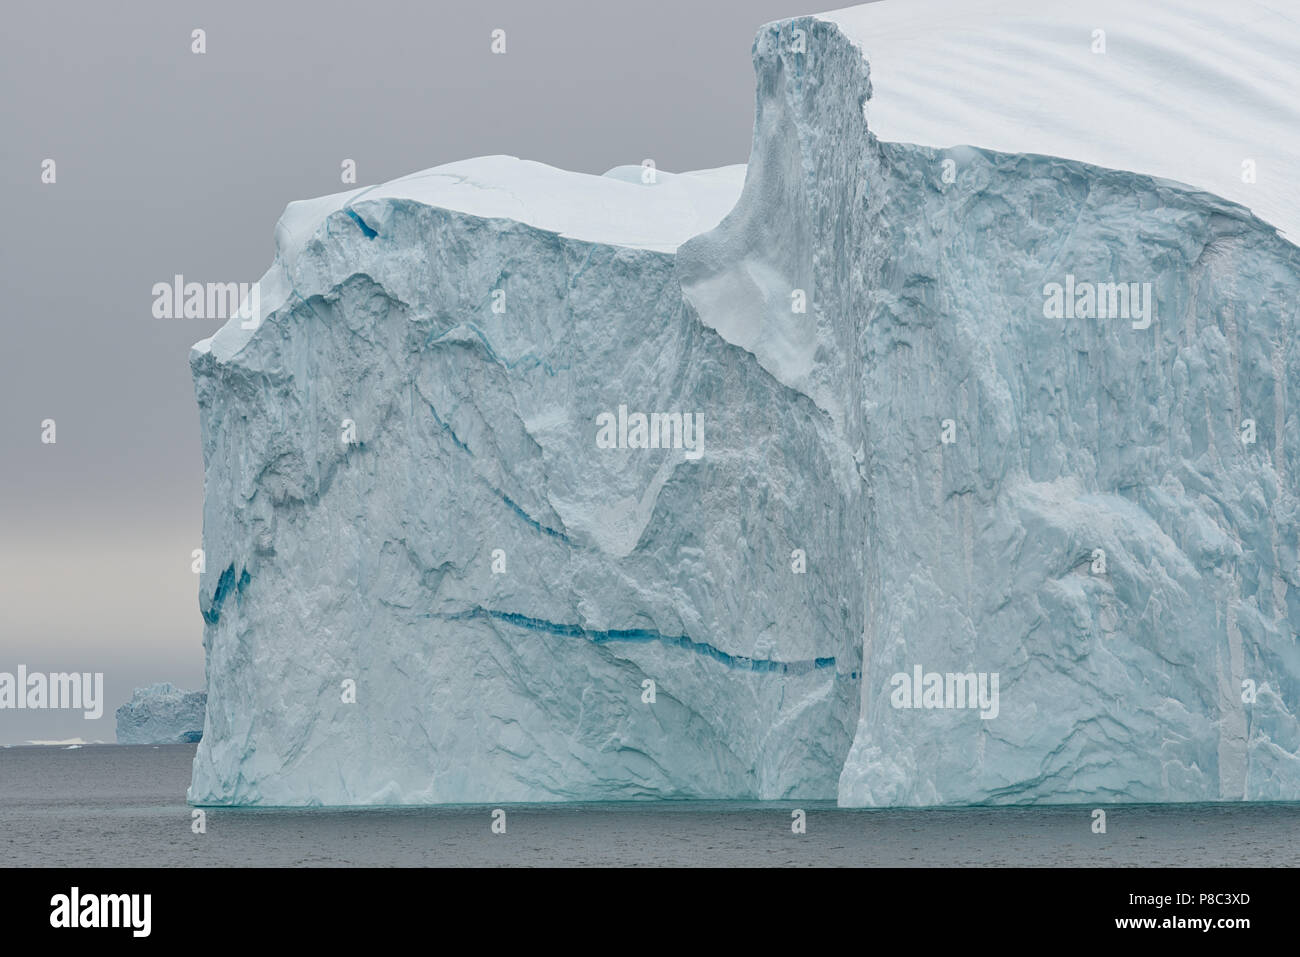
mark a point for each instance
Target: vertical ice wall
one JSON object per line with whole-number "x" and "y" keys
{"x": 1099, "y": 511}
{"x": 497, "y": 585}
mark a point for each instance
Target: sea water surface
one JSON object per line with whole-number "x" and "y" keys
{"x": 119, "y": 805}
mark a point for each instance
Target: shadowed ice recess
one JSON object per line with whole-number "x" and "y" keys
{"x": 430, "y": 581}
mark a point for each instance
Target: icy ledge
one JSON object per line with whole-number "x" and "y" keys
{"x": 429, "y": 583}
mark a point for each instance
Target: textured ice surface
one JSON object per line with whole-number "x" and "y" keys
{"x": 372, "y": 562}
{"x": 161, "y": 714}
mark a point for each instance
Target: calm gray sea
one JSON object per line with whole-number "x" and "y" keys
{"x": 108, "y": 805}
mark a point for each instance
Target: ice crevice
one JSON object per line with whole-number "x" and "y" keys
{"x": 607, "y": 635}
{"x": 365, "y": 228}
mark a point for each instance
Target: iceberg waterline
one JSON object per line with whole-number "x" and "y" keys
{"x": 918, "y": 470}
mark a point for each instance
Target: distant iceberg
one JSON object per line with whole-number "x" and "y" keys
{"x": 162, "y": 714}
{"x": 68, "y": 744}
{"x": 996, "y": 498}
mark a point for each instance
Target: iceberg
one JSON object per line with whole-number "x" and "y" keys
{"x": 161, "y": 714}
{"x": 943, "y": 454}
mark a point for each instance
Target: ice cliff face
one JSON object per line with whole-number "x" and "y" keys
{"x": 430, "y": 581}
{"x": 498, "y": 587}
{"x": 1098, "y": 531}
{"x": 161, "y": 714}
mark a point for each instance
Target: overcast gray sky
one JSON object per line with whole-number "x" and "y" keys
{"x": 170, "y": 162}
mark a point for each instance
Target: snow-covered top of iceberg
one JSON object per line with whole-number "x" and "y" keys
{"x": 1186, "y": 90}
{"x": 621, "y": 208}
{"x": 625, "y": 206}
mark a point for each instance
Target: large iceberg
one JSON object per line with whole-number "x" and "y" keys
{"x": 161, "y": 714}
{"x": 883, "y": 469}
